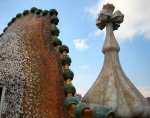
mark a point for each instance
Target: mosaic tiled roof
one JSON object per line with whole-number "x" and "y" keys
{"x": 30, "y": 66}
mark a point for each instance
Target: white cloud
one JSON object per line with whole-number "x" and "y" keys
{"x": 80, "y": 44}
{"x": 97, "y": 33}
{"x": 81, "y": 91}
{"x": 137, "y": 17}
{"x": 145, "y": 91}
{"x": 79, "y": 85}
{"x": 94, "y": 35}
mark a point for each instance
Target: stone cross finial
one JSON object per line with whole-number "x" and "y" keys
{"x": 111, "y": 21}
{"x": 107, "y": 16}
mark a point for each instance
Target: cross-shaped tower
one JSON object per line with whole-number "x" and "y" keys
{"x": 112, "y": 88}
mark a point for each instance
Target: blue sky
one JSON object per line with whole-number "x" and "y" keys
{"x": 79, "y": 32}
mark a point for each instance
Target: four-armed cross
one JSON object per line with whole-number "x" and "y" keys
{"x": 112, "y": 21}
{"x": 107, "y": 16}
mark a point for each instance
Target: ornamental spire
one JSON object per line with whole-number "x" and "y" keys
{"x": 112, "y": 88}
{"x": 112, "y": 22}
